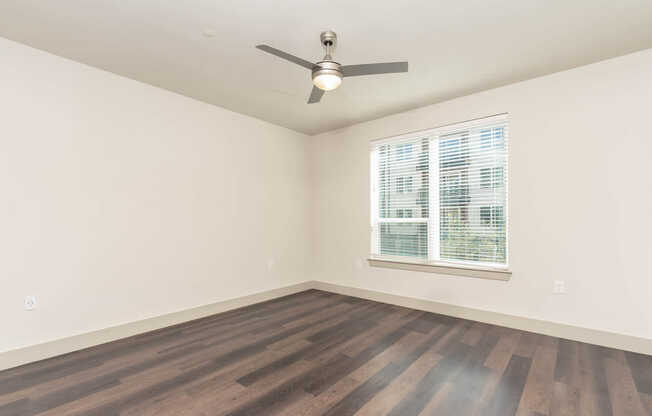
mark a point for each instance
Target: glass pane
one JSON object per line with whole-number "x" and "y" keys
{"x": 472, "y": 195}
{"x": 403, "y": 179}
{"x": 404, "y": 239}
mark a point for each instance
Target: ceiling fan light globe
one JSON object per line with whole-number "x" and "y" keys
{"x": 326, "y": 75}
{"x": 327, "y": 82}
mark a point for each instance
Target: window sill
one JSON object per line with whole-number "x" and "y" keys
{"x": 442, "y": 268}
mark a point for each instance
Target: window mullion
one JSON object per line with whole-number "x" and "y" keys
{"x": 433, "y": 202}
{"x": 375, "y": 207}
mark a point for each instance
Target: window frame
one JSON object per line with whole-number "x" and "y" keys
{"x": 433, "y": 262}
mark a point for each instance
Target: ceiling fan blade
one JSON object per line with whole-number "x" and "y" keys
{"x": 315, "y": 95}
{"x": 286, "y": 56}
{"x": 373, "y": 69}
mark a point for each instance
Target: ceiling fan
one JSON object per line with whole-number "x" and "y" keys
{"x": 327, "y": 74}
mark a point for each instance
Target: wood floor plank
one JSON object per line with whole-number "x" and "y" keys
{"x": 432, "y": 408}
{"x": 327, "y": 378}
{"x": 641, "y": 368}
{"x": 385, "y": 400}
{"x": 624, "y": 397}
{"x": 502, "y": 353}
{"x": 48, "y": 386}
{"x": 220, "y": 400}
{"x": 548, "y": 342}
{"x": 318, "y": 322}
{"x": 424, "y": 323}
{"x": 527, "y": 344}
{"x": 565, "y": 400}
{"x": 381, "y": 371}
{"x": 475, "y": 333}
{"x": 177, "y": 404}
{"x": 318, "y": 353}
{"x": 470, "y": 380}
{"x": 319, "y": 404}
{"x": 332, "y": 339}
{"x": 397, "y": 350}
{"x": 417, "y": 399}
{"x": 128, "y": 386}
{"x": 567, "y": 367}
{"x": 595, "y": 399}
{"x": 508, "y": 394}
{"x": 646, "y": 400}
{"x": 354, "y": 346}
{"x": 168, "y": 384}
{"x": 363, "y": 393}
{"x": 319, "y": 379}
{"x": 537, "y": 393}
{"x": 220, "y": 379}
{"x": 482, "y": 402}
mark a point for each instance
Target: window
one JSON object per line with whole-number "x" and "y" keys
{"x": 485, "y": 177}
{"x": 441, "y": 195}
{"x": 498, "y": 177}
{"x": 403, "y": 184}
{"x": 403, "y": 151}
{"x": 491, "y": 216}
{"x": 402, "y": 215}
{"x": 491, "y": 177}
{"x": 492, "y": 138}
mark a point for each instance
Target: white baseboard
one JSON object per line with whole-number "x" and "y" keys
{"x": 555, "y": 329}
{"x": 14, "y": 358}
{"x": 49, "y": 349}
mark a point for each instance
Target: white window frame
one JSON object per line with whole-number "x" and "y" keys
{"x": 434, "y": 263}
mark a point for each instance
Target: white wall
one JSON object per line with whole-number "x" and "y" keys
{"x": 121, "y": 201}
{"x": 580, "y": 199}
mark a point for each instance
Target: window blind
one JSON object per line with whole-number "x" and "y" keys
{"x": 441, "y": 195}
{"x": 401, "y": 188}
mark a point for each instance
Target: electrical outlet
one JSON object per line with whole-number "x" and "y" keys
{"x": 559, "y": 287}
{"x": 30, "y": 303}
{"x": 270, "y": 264}
{"x": 359, "y": 263}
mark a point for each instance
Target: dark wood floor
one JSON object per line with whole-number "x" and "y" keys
{"x": 317, "y": 353}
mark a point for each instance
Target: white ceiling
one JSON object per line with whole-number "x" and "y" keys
{"x": 453, "y": 47}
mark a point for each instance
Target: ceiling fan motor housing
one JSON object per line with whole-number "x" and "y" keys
{"x": 326, "y": 67}
{"x": 328, "y": 38}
